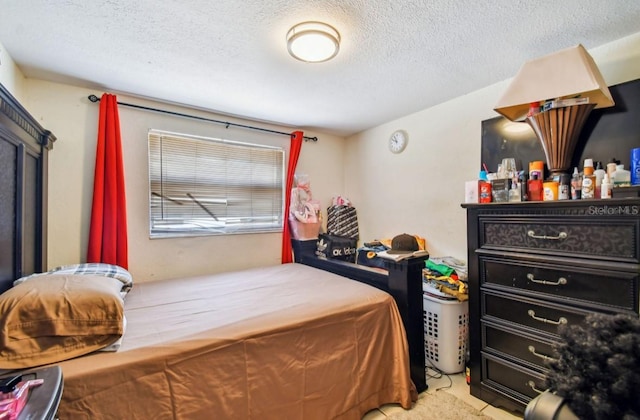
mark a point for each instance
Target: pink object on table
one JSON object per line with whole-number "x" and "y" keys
{"x": 12, "y": 403}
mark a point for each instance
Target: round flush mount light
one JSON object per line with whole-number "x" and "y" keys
{"x": 313, "y": 42}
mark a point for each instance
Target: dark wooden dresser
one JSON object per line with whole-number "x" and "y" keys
{"x": 534, "y": 266}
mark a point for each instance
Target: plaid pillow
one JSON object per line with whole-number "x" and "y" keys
{"x": 100, "y": 269}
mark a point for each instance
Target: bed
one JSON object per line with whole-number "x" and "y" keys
{"x": 300, "y": 340}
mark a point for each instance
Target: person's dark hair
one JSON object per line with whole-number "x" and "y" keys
{"x": 597, "y": 369}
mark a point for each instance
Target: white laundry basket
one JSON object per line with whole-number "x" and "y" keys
{"x": 446, "y": 333}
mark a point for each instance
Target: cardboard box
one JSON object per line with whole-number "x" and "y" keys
{"x": 471, "y": 189}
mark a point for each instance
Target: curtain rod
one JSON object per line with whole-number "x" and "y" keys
{"x": 94, "y": 98}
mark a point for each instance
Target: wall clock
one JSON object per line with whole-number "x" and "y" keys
{"x": 398, "y": 141}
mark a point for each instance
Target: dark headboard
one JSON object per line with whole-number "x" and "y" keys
{"x": 24, "y": 145}
{"x": 402, "y": 280}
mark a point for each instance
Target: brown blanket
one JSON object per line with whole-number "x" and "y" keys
{"x": 282, "y": 342}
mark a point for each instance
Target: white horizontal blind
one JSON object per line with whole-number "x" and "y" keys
{"x": 205, "y": 186}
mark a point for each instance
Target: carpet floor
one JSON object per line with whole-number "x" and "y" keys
{"x": 439, "y": 405}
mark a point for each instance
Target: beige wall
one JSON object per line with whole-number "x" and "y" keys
{"x": 420, "y": 190}
{"x": 66, "y": 111}
{"x": 10, "y": 76}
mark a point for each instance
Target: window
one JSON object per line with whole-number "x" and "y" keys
{"x": 206, "y": 186}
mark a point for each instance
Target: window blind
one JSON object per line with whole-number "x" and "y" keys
{"x": 204, "y": 186}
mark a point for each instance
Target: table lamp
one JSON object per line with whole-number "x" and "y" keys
{"x": 554, "y": 94}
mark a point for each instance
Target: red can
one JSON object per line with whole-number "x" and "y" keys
{"x": 484, "y": 188}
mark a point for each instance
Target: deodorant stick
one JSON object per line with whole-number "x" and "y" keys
{"x": 635, "y": 166}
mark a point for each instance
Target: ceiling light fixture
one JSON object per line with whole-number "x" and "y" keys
{"x": 313, "y": 42}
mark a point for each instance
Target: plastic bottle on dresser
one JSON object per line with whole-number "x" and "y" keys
{"x": 635, "y": 166}
{"x": 588, "y": 180}
{"x": 564, "y": 189}
{"x": 599, "y": 173}
{"x": 536, "y": 167}
{"x": 611, "y": 168}
{"x": 523, "y": 180}
{"x": 621, "y": 177}
{"x": 576, "y": 185}
{"x": 550, "y": 190}
{"x": 605, "y": 187}
{"x": 484, "y": 188}
{"x": 515, "y": 193}
{"x": 535, "y": 188}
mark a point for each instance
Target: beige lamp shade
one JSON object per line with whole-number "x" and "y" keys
{"x": 570, "y": 73}
{"x": 565, "y": 74}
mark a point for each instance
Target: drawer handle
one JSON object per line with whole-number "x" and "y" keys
{"x": 532, "y": 385}
{"x": 561, "y": 235}
{"x": 544, "y": 357}
{"x": 560, "y": 281}
{"x": 532, "y": 314}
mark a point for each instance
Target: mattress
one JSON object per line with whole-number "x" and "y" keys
{"x": 287, "y": 341}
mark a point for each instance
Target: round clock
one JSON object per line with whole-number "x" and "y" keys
{"x": 398, "y": 141}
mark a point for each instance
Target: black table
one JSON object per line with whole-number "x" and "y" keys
{"x": 44, "y": 399}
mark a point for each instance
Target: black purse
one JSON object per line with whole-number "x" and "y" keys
{"x": 336, "y": 247}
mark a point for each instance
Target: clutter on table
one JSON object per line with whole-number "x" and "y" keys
{"x": 377, "y": 253}
{"x": 446, "y": 278}
{"x": 591, "y": 181}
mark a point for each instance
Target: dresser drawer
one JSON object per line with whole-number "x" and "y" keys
{"x": 603, "y": 287}
{"x": 602, "y": 239}
{"x": 534, "y": 266}
{"x": 531, "y": 313}
{"x": 530, "y": 351}
{"x": 522, "y": 384}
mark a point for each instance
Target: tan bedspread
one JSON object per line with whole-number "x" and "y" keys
{"x": 282, "y": 342}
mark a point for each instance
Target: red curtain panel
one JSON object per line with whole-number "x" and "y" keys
{"x": 108, "y": 228}
{"x": 294, "y": 154}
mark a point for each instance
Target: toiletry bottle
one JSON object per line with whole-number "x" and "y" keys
{"x": 599, "y": 173}
{"x": 588, "y": 180}
{"x": 536, "y": 167}
{"x": 535, "y": 188}
{"x": 611, "y": 168}
{"x": 550, "y": 190}
{"x": 605, "y": 187}
{"x": 484, "y": 188}
{"x": 621, "y": 177}
{"x": 515, "y": 193}
{"x": 576, "y": 185}
{"x": 523, "y": 179}
{"x": 564, "y": 190}
{"x": 635, "y": 166}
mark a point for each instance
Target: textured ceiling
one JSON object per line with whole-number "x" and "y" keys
{"x": 230, "y": 56}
